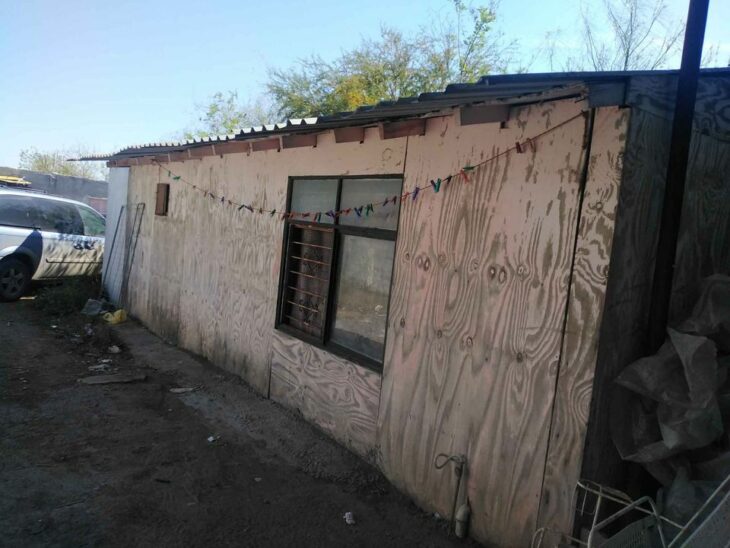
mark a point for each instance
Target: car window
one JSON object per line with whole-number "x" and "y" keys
{"x": 61, "y": 217}
{"x": 93, "y": 222}
{"x": 18, "y": 211}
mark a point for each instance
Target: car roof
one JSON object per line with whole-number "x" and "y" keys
{"x": 18, "y": 192}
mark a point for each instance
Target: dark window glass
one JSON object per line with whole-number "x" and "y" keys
{"x": 363, "y": 287}
{"x": 18, "y": 211}
{"x": 61, "y": 217}
{"x": 337, "y": 271}
{"x": 93, "y": 222}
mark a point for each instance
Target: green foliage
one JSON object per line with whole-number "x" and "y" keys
{"x": 459, "y": 49}
{"x": 56, "y": 161}
{"x": 68, "y": 297}
{"x": 223, "y": 114}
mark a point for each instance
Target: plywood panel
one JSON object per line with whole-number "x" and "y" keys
{"x": 585, "y": 312}
{"x": 477, "y": 307}
{"x": 207, "y": 273}
{"x": 336, "y": 395}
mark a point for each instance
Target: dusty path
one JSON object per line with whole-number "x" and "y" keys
{"x": 131, "y": 464}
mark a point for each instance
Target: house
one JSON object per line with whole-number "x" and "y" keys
{"x": 456, "y": 274}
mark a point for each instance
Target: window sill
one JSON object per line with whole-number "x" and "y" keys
{"x": 334, "y": 349}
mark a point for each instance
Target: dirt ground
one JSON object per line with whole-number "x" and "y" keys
{"x": 132, "y": 464}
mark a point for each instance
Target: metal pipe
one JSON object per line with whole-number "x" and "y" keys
{"x": 661, "y": 293}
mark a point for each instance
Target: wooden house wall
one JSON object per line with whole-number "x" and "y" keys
{"x": 481, "y": 298}
{"x": 477, "y": 314}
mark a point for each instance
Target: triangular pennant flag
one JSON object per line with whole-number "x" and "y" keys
{"x": 404, "y": 197}
{"x": 368, "y": 209}
{"x": 261, "y": 210}
{"x": 415, "y": 193}
{"x": 448, "y": 179}
{"x": 305, "y": 214}
{"x": 464, "y": 176}
{"x": 436, "y": 185}
{"x": 176, "y": 178}
{"x": 395, "y": 199}
{"x": 249, "y": 208}
{"x": 317, "y": 217}
{"x": 331, "y": 213}
{"x": 223, "y": 199}
{"x": 347, "y": 211}
{"x": 358, "y": 211}
{"x": 241, "y": 207}
{"x": 273, "y": 212}
{"x": 169, "y": 173}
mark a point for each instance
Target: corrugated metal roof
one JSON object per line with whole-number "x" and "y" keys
{"x": 513, "y": 89}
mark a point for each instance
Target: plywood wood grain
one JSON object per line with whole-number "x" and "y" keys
{"x": 206, "y": 275}
{"x": 477, "y": 308}
{"x": 585, "y": 313}
{"x": 336, "y": 395}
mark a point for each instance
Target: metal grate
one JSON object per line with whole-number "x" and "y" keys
{"x": 118, "y": 261}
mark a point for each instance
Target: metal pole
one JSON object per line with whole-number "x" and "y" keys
{"x": 684, "y": 108}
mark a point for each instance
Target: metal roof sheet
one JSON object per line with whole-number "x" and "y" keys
{"x": 512, "y": 89}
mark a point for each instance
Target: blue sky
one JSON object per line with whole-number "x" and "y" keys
{"x": 104, "y": 75}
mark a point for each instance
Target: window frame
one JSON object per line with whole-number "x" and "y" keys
{"x": 162, "y": 206}
{"x": 324, "y": 342}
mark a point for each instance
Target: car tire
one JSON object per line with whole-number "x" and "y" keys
{"x": 14, "y": 279}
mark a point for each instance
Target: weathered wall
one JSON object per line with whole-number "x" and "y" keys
{"x": 479, "y": 301}
{"x": 114, "y": 257}
{"x": 480, "y": 298}
{"x": 206, "y": 277}
{"x": 75, "y": 188}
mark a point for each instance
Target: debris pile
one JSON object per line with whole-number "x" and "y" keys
{"x": 674, "y": 414}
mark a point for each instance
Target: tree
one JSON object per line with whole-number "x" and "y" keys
{"x": 461, "y": 48}
{"x": 223, "y": 114}
{"x": 56, "y": 161}
{"x": 620, "y": 35}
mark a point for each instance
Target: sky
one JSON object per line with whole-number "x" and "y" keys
{"x": 103, "y": 75}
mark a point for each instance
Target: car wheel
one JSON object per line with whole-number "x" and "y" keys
{"x": 14, "y": 279}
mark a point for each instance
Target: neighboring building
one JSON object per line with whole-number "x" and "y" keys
{"x": 89, "y": 191}
{"x": 474, "y": 315}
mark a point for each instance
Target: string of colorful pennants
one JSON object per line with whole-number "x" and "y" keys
{"x": 464, "y": 174}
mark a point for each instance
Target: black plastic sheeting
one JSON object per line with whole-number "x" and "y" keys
{"x": 672, "y": 411}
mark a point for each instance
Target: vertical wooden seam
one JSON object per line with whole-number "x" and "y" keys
{"x": 587, "y": 141}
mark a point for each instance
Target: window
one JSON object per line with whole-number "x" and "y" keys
{"x": 18, "y": 211}
{"x": 93, "y": 222}
{"x": 57, "y": 216}
{"x": 163, "y": 197}
{"x": 336, "y": 271}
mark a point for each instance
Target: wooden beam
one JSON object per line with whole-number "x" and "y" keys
{"x": 393, "y": 130}
{"x": 179, "y": 156}
{"x": 294, "y": 141}
{"x": 201, "y": 152}
{"x": 162, "y": 158}
{"x": 145, "y": 161}
{"x": 268, "y": 144}
{"x": 232, "y": 147}
{"x": 349, "y": 134}
{"x": 484, "y": 114}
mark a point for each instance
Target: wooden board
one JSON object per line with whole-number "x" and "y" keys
{"x": 206, "y": 275}
{"x": 336, "y": 395}
{"x": 585, "y": 313}
{"x": 477, "y": 308}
